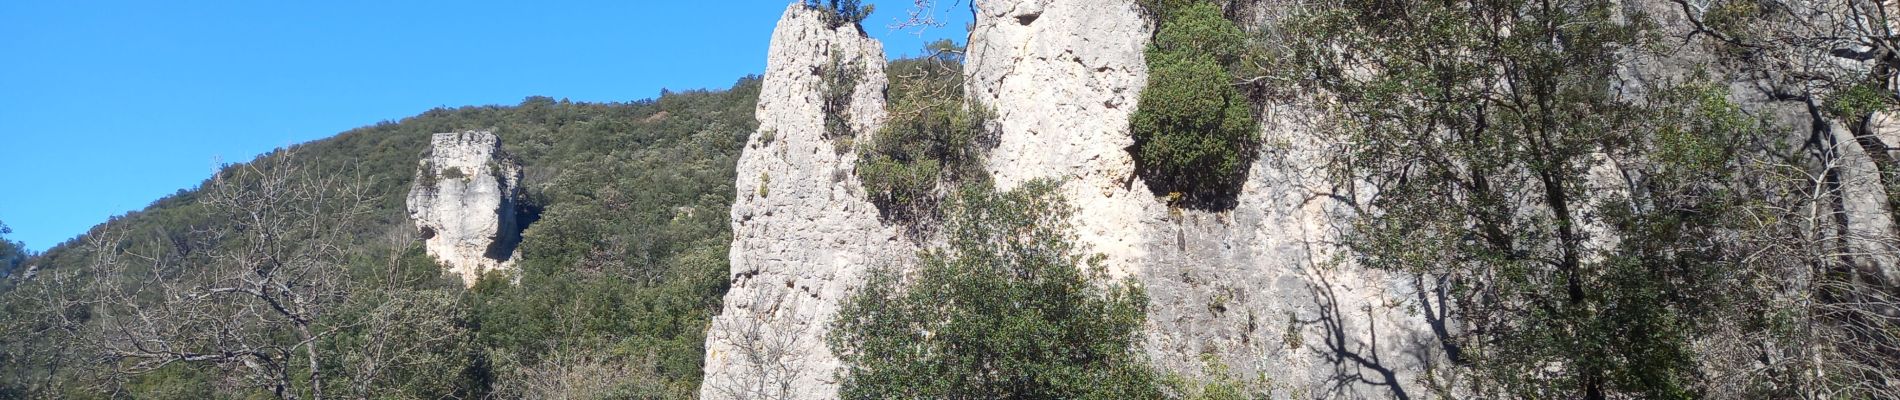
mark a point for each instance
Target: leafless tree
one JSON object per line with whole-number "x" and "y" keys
{"x": 764, "y": 350}
{"x": 1827, "y": 324}
{"x": 921, "y": 16}
{"x": 1816, "y": 325}
{"x": 254, "y": 293}
{"x": 586, "y": 374}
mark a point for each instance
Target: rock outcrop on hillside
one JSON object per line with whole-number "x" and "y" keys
{"x": 803, "y": 231}
{"x": 464, "y": 201}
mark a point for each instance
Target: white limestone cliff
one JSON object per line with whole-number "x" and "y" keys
{"x": 1261, "y": 285}
{"x": 1257, "y": 287}
{"x": 803, "y": 231}
{"x": 463, "y": 203}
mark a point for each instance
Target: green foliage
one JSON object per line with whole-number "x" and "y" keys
{"x": 1696, "y": 137}
{"x": 1735, "y": 19}
{"x": 1194, "y": 130}
{"x": 1220, "y": 384}
{"x": 624, "y": 255}
{"x": 1198, "y": 29}
{"x": 435, "y": 317}
{"x": 1482, "y": 141}
{"x": 1008, "y": 309}
{"x": 933, "y": 138}
{"x": 12, "y": 253}
{"x": 840, "y": 85}
{"x": 843, "y": 12}
{"x": 178, "y": 381}
{"x": 453, "y": 173}
{"x": 1857, "y": 101}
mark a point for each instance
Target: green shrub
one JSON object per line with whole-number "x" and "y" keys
{"x": 913, "y": 156}
{"x": 1194, "y": 130}
{"x": 840, "y": 82}
{"x": 841, "y": 12}
{"x": 1008, "y": 309}
{"x": 12, "y": 253}
{"x": 454, "y": 173}
{"x": 1219, "y": 382}
{"x": 932, "y": 139}
{"x": 1857, "y": 101}
{"x": 1199, "y": 29}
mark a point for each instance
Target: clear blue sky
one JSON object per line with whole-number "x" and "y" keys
{"x": 106, "y": 106}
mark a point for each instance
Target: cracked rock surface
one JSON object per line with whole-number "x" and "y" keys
{"x": 803, "y": 231}
{"x": 1258, "y": 287}
{"x": 464, "y": 203}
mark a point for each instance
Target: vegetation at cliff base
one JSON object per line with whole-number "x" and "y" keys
{"x": 1489, "y": 129}
{"x": 1009, "y": 308}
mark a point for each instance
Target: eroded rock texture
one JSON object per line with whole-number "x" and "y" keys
{"x": 464, "y": 203}
{"x": 1259, "y": 282}
{"x": 803, "y": 231}
{"x": 1255, "y": 284}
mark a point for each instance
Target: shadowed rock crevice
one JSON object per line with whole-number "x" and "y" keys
{"x": 465, "y": 203}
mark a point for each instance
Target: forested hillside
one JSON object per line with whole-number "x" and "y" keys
{"x": 623, "y": 260}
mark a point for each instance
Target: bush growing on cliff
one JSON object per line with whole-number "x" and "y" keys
{"x": 842, "y": 12}
{"x": 840, "y": 77}
{"x": 1009, "y": 309}
{"x": 454, "y": 173}
{"x": 933, "y": 137}
{"x": 1194, "y": 131}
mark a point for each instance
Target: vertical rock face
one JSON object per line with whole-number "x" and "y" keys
{"x": 1063, "y": 76}
{"x": 803, "y": 231}
{"x": 1871, "y": 226}
{"x": 1259, "y": 287}
{"x": 464, "y": 203}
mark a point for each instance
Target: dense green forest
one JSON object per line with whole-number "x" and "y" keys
{"x": 624, "y": 259}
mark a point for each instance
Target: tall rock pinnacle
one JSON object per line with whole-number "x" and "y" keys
{"x": 803, "y": 231}
{"x": 464, "y": 203}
